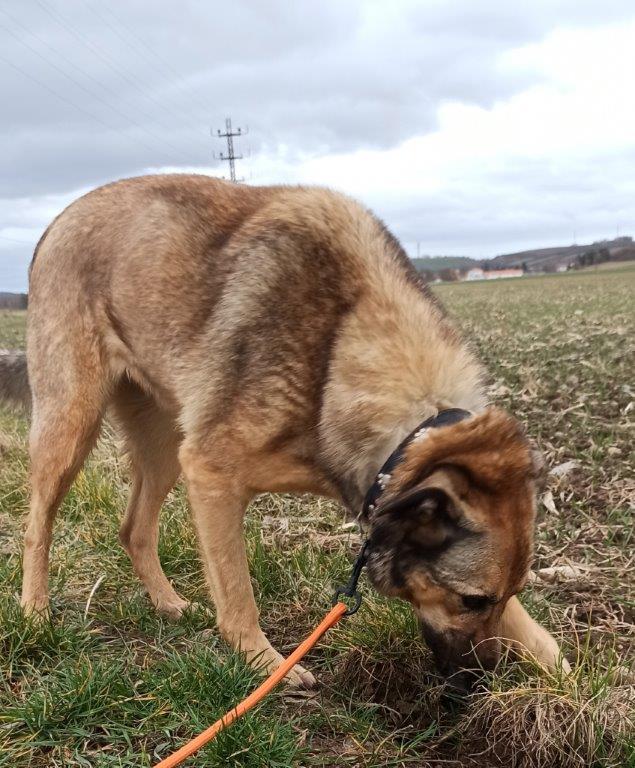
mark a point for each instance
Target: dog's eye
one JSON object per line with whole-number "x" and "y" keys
{"x": 475, "y": 602}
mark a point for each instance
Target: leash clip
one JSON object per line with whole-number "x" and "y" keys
{"x": 350, "y": 589}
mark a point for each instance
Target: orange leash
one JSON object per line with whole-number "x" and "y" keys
{"x": 330, "y": 620}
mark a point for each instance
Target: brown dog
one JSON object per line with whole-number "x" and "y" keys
{"x": 274, "y": 339}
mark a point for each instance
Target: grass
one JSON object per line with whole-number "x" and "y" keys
{"x": 108, "y": 683}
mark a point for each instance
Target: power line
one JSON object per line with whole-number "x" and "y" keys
{"x": 15, "y": 240}
{"x": 58, "y": 95}
{"x": 87, "y": 75}
{"x": 103, "y": 56}
{"x": 71, "y": 102}
{"x": 93, "y": 94}
{"x": 154, "y": 60}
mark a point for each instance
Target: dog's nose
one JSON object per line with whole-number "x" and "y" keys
{"x": 487, "y": 653}
{"x": 461, "y": 683}
{"x": 462, "y": 675}
{"x": 460, "y": 660}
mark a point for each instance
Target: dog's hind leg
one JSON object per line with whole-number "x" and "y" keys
{"x": 526, "y": 637}
{"x": 219, "y": 497}
{"x": 152, "y": 442}
{"x": 67, "y": 411}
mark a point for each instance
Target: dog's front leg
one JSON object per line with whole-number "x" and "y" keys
{"x": 527, "y": 638}
{"x": 218, "y": 501}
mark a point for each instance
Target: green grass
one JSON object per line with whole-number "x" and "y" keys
{"x": 112, "y": 684}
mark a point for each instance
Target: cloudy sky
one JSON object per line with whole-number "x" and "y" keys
{"x": 471, "y": 128}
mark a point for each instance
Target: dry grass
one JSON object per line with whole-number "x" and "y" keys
{"x": 120, "y": 686}
{"x": 562, "y": 725}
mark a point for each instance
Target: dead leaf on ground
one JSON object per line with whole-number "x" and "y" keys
{"x": 550, "y": 504}
{"x": 558, "y": 573}
{"x": 564, "y": 469}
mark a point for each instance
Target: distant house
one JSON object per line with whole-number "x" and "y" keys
{"x": 494, "y": 274}
{"x": 476, "y": 273}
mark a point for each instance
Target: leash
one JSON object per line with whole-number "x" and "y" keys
{"x": 339, "y": 609}
{"x": 337, "y": 612}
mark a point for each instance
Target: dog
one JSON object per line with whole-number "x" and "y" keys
{"x": 269, "y": 339}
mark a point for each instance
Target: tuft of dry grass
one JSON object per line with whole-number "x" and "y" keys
{"x": 558, "y": 725}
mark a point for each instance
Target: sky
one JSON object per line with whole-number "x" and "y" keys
{"x": 470, "y": 128}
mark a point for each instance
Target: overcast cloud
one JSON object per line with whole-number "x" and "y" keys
{"x": 471, "y": 128}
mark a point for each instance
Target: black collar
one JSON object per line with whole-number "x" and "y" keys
{"x": 442, "y": 419}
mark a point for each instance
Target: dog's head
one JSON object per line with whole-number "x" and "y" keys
{"x": 453, "y": 535}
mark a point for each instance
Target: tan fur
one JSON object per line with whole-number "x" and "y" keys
{"x": 486, "y": 469}
{"x": 525, "y": 636}
{"x": 254, "y": 339}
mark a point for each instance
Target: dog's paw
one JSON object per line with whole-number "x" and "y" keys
{"x": 173, "y": 609}
{"x": 37, "y": 610}
{"x": 299, "y": 677}
{"x": 267, "y": 659}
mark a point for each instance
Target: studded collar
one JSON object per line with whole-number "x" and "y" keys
{"x": 442, "y": 419}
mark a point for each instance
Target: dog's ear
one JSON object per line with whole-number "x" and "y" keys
{"x": 427, "y": 516}
{"x": 427, "y": 500}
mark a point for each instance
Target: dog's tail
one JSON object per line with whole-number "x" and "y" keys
{"x": 14, "y": 380}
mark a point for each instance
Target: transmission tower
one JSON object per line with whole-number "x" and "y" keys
{"x": 230, "y": 157}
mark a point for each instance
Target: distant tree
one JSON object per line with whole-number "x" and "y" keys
{"x": 13, "y": 300}
{"x": 524, "y": 266}
{"x": 585, "y": 259}
{"x": 623, "y": 254}
{"x": 593, "y": 256}
{"x": 449, "y": 275}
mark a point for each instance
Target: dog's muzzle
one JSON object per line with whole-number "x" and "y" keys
{"x": 459, "y": 658}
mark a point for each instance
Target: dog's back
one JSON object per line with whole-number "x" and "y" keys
{"x": 140, "y": 261}
{"x": 174, "y": 275}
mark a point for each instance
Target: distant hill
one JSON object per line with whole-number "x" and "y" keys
{"x": 536, "y": 260}
{"x": 437, "y": 263}
{"x": 546, "y": 259}
{"x": 13, "y": 300}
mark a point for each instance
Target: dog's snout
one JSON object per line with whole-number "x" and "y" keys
{"x": 461, "y": 683}
{"x": 461, "y": 659}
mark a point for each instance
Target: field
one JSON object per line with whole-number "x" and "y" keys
{"x": 108, "y": 683}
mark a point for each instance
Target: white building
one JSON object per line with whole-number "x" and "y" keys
{"x": 476, "y": 273}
